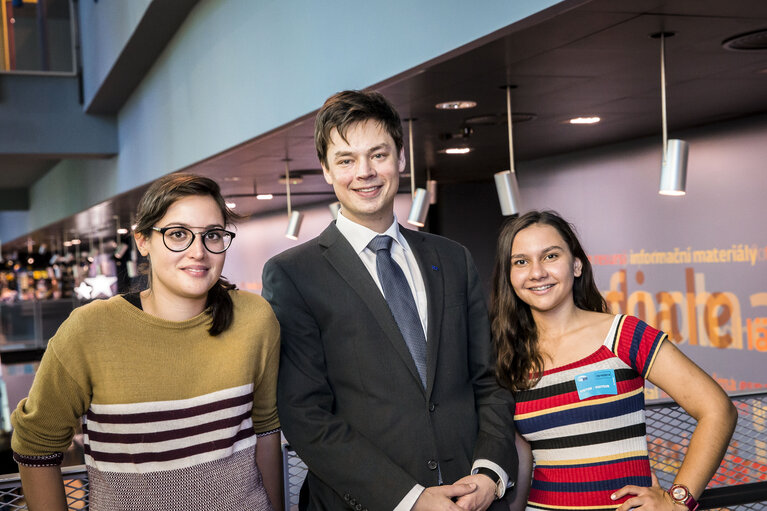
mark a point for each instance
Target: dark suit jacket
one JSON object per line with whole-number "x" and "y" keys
{"x": 349, "y": 397}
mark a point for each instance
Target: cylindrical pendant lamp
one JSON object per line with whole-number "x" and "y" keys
{"x": 420, "y": 208}
{"x": 508, "y": 192}
{"x": 294, "y": 225}
{"x": 506, "y": 181}
{"x": 673, "y": 173}
{"x": 334, "y": 207}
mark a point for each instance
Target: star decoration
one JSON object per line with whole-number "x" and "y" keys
{"x": 102, "y": 285}
{"x": 83, "y": 291}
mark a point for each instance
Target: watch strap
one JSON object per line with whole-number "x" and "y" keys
{"x": 688, "y": 501}
{"x": 493, "y": 477}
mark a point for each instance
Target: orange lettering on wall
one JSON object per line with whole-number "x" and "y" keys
{"x": 718, "y": 302}
{"x": 668, "y": 315}
{"x": 617, "y": 297}
{"x": 689, "y": 278}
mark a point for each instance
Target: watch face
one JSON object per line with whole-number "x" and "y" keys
{"x": 679, "y": 493}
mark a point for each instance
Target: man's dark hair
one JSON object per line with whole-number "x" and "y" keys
{"x": 347, "y": 108}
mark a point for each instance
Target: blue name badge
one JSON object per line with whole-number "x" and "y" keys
{"x": 596, "y": 383}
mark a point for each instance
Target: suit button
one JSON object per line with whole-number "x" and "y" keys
{"x": 432, "y": 406}
{"x": 347, "y": 497}
{"x": 431, "y": 464}
{"x": 358, "y": 507}
{"x": 352, "y": 502}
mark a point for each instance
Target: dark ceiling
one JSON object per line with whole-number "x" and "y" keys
{"x": 593, "y": 58}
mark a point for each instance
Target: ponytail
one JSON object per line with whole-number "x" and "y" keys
{"x": 220, "y": 306}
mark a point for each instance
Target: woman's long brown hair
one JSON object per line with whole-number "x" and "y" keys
{"x": 519, "y": 362}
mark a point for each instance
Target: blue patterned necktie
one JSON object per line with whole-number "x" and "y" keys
{"x": 401, "y": 303}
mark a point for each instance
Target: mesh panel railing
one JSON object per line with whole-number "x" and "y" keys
{"x": 75, "y": 486}
{"x": 740, "y": 483}
{"x": 742, "y": 476}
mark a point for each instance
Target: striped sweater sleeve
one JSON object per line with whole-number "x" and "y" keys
{"x": 45, "y": 422}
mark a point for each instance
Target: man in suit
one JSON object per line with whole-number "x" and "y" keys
{"x": 386, "y": 393}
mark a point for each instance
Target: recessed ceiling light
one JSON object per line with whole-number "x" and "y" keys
{"x": 231, "y": 178}
{"x": 456, "y": 150}
{"x": 122, "y": 230}
{"x": 231, "y": 205}
{"x": 455, "y": 105}
{"x": 75, "y": 241}
{"x": 264, "y": 196}
{"x": 750, "y": 41}
{"x": 584, "y": 120}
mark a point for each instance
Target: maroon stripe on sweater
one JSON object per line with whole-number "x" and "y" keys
{"x": 136, "y": 418}
{"x": 162, "y": 436}
{"x": 174, "y": 454}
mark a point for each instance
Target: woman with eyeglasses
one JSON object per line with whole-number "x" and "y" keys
{"x": 175, "y": 386}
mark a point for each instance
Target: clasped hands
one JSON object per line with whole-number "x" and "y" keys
{"x": 471, "y": 493}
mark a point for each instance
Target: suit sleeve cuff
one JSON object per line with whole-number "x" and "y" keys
{"x": 407, "y": 503}
{"x": 495, "y": 468}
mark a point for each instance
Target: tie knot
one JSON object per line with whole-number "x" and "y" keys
{"x": 380, "y": 242}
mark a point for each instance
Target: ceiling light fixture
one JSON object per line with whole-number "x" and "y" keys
{"x": 750, "y": 41}
{"x": 431, "y": 187}
{"x": 420, "y": 206}
{"x": 456, "y": 150}
{"x": 584, "y": 120}
{"x": 122, "y": 230}
{"x": 231, "y": 205}
{"x": 673, "y": 172}
{"x": 264, "y": 196}
{"x": 506, "y": 181}
{"x": 334, "y": 207}
{"x": 294, "y": 217}
{"x": 455, "y": 105}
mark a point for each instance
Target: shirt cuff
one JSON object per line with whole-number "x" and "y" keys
{"x": 482, "y": 463}
{"x": 407, "y": 503}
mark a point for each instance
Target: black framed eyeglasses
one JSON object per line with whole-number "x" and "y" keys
{"x": 178, "y": 239}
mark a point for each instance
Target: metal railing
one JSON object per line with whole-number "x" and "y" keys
{"x": 740, "y": 483}
{"x": 75, "y": 486}
{"x": 741, "y": 479}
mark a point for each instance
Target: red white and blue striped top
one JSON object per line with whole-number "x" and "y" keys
{"x": 586, "y": 449}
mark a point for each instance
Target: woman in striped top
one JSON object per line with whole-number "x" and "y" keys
{"x": 578, "y": 374}
{"x": 175, "y": 386}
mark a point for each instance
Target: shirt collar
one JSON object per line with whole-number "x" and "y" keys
{"x": 360, "y": 236}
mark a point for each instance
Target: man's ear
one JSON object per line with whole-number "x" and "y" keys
{"x": 577, "y": 267}
{"x": 402, "y": 162}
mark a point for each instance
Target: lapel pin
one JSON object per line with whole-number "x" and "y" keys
{"x": 435, "y": 268}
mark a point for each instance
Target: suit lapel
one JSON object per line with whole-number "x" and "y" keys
{"x": 347, "y": 263}
{"x": 429, "y": 264}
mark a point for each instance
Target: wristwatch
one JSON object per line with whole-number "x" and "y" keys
{"x": 495, "y": 478}
{"x": 680, "y": 494}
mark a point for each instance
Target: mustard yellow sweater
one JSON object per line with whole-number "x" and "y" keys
{"x": 169, "y": 413}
